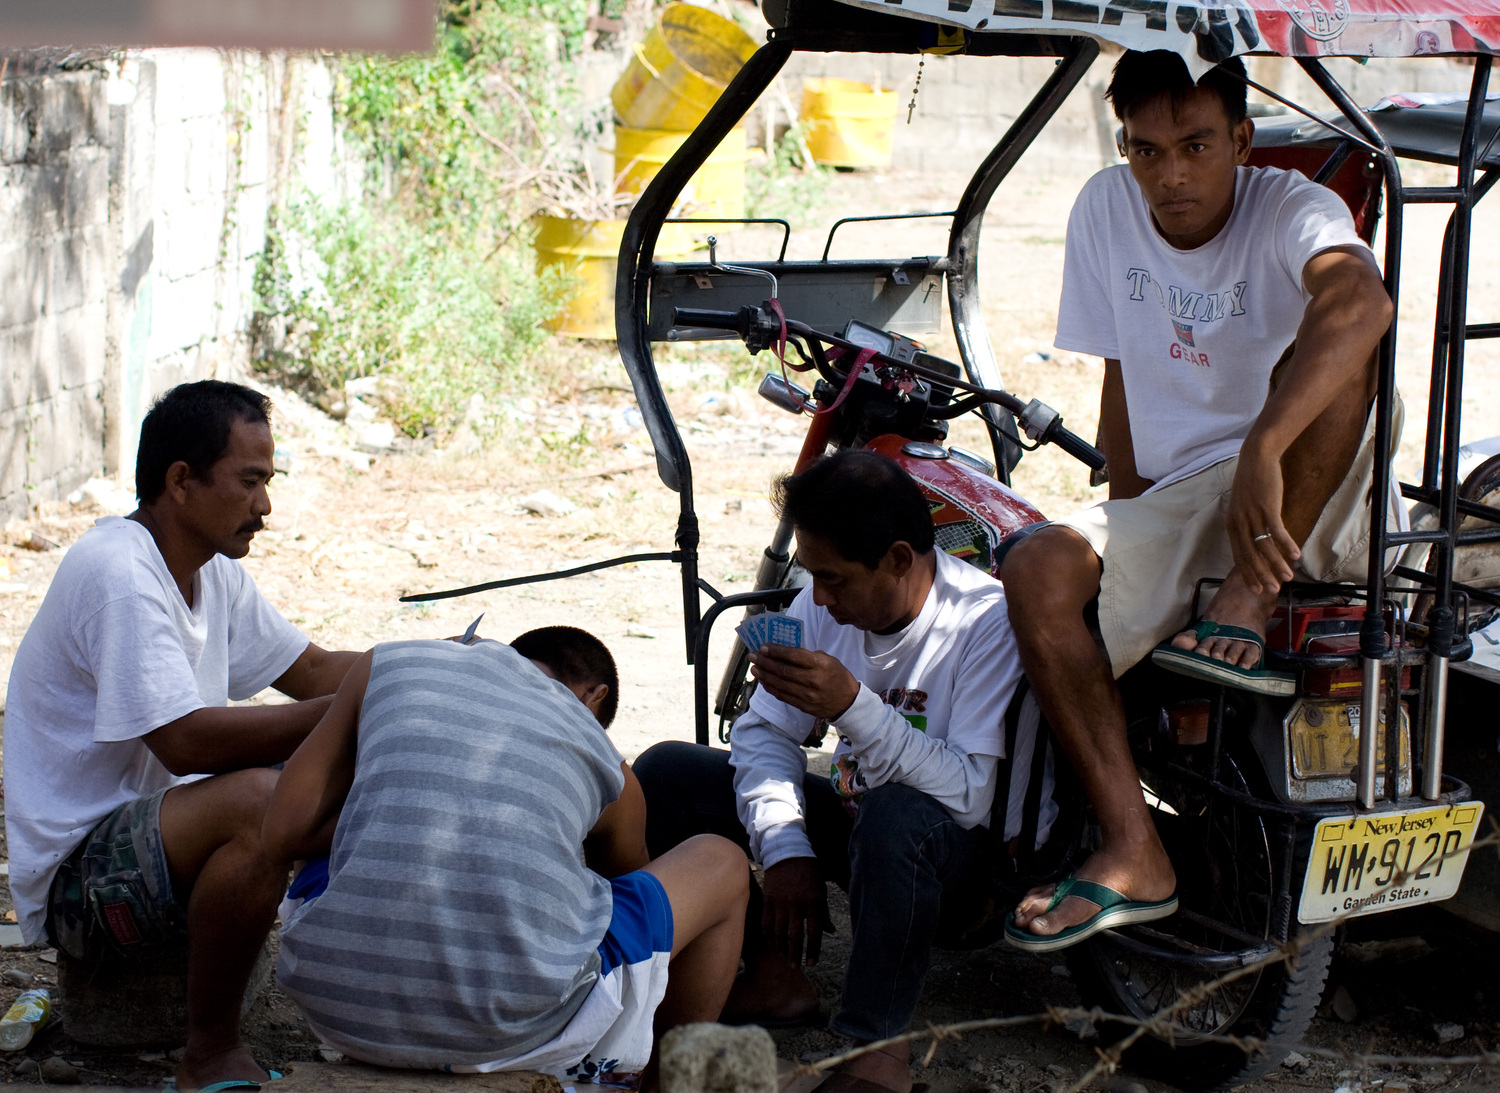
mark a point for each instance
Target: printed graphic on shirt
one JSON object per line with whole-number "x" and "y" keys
{"x": 1185, "y": 307}
{"x": 844, "y": 774}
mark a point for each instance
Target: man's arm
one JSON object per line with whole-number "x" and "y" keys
{"x": 217, "y": 739}
{"x": 1340, "y": 330}
{"x": 617, "y": 843}
{"x": 891, "y": 749}
{"x": 768, "y": 769}
{"x": 1114, "y": 436}
{"x": 316, "y": 672}
{"x": 315, "y": 782}
{"x": 888, "y": 746}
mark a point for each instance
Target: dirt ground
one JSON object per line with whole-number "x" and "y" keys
{"x": 351, "y": 533}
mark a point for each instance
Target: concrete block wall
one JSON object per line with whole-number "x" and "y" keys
{"x": 54, "y": 187}
{"x": 133, "y": 206}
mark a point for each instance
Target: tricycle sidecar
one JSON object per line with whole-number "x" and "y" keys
{"x": 1240, "y": 800}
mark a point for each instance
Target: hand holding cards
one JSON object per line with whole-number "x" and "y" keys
{"x": 770, "y": 628}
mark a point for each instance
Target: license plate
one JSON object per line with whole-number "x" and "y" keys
{"x": 1325, "y": 740}
{"x": 1363, "y": 865}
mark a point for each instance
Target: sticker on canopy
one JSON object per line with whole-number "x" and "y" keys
{"x": 1204, "y": 34}
{"x": 1322, "y": 20}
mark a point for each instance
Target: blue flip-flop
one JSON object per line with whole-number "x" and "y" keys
{"x": 232, "y": 1083}
{"x": 1190, "y": 662}
{"x": 1115, "y": 909}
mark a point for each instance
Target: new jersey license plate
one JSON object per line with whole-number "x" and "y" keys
{"x": 1362, "y": 865}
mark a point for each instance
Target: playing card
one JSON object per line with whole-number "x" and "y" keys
{"x": 747, "y": 632}
{"x": 784, "y": 630}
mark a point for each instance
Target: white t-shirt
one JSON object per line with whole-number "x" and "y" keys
{"x": 113, "y": 653}
{"x": 1197, "y": 332}
{"x": 931, "y": 705}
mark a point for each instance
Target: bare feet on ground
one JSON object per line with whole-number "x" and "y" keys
{"x": 1234, "y": 604}
{"x": 773, "y": 989}
{"x": 195, "y": 1072}
{"x": 1145, "y": 876}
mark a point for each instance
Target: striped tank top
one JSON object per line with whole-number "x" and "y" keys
{"x": 460, "y": 924}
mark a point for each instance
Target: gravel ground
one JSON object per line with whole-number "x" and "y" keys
{"x": 350, "y": 535}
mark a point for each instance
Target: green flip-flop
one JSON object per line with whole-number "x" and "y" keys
{"x": 1190, "y": 662}
{"x": 232, "y": 1083}
{"x": 1115, "y": 909}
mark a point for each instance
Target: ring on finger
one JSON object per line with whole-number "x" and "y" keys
{"x": 1262, "y": 535}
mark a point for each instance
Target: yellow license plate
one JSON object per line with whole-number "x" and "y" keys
{"x": 1325, "y": 740}
{"x": 1362, "y": 865}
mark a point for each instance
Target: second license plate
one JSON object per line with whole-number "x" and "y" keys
{"x": 1362, "y": 865}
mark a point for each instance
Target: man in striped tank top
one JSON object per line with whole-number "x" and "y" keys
{"x": 489, "y": 903}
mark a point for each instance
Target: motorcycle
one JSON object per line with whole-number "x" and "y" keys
{"x": 1282, "y": 817}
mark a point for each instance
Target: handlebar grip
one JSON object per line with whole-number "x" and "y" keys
{"x": 1078, "y": 448}
{"x": 701, "y": 318}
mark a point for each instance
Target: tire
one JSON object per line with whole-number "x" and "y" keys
{"x": 1228, "y": 874}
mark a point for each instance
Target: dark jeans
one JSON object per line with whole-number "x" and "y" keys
{"x": 912, "y": 873}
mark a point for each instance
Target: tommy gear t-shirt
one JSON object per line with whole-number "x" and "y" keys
{"x": 1197, "y": 332}
{"x": 114, "y": 653}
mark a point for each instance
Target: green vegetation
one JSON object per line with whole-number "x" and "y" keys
{"x": 431, "y": 285}
{"x": 428, "y": 282}
{"x": 374, "y": 295}
{"x": 781, "y": 187}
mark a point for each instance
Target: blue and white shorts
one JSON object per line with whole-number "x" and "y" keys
{"x": 612, "y": 1030}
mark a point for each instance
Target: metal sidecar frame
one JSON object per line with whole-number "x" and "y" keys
{"x": 1463, "y": 136}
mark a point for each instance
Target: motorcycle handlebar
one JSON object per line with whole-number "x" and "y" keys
{"x": 1078, "y": 448}
{"x": 708, "y": 320}
{"x": 1040, "y": 422}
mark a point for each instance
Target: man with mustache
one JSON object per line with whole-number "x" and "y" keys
{"x": 135, "y": 793}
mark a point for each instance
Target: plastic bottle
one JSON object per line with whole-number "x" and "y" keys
{"x": 26, "y": 1015}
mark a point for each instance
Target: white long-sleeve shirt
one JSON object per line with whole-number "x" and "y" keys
{"x": 930, "y": 713}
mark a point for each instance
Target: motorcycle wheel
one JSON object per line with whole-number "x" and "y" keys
{"x": 1227, "y": 871}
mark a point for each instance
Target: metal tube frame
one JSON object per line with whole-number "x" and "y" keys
{"x": 637, "y": 247}
{"x": 1075, "y": 55}
{"x": 1440, "y": 464}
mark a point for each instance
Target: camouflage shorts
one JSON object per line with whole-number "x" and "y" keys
{"x": 113, "y": 894}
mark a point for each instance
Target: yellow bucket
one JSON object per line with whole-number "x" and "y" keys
{"x": 848, "y": 123}
{"x": 718, "y": 189}
{"x": 680, "y": 68}
{"x": 589, "y": 250}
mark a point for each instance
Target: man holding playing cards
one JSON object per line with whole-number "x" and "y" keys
{"x": 910, "y": 659}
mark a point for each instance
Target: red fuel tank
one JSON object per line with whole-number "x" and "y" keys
{"x": 972, "y": 512}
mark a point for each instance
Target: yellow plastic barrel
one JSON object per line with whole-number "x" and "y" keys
{"x": 589, "y": 250}
{"x": 717, "y": 189}
{"x": 680, "y": 68}
{"x": 848, "y": 123}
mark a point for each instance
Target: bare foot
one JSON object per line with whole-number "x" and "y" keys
{"x": 1146, "y": 876}
{"x": 889, "y": 1067}
{"x": 770, "y": 989}
{"x": 1235, "y": 605}
{"x": 195, "y": 1072}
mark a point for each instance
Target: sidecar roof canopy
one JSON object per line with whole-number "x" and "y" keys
{"x": 1205, "y": 35}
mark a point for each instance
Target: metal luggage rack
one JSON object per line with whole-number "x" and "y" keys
{"x": 1463, "y": 136}
{"x": 900, "y": 294}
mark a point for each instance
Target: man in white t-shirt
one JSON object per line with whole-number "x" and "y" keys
{"x": 118, "y": 699}
{"x": 1238, "y": 312}
{"x": 908, "y": 656}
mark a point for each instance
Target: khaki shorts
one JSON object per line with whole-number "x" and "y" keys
{"x": 1156, "y": 547}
